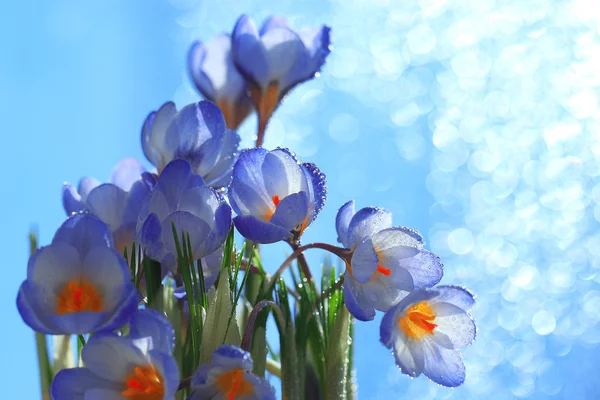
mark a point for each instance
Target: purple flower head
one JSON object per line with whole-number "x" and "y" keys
{"x": 275, "y": 196}
{"x": 116, "y": 203}
{"x": 228, "y": 377}
{"x": 197, "y": 134}
{"x": 211, "y": 68}
{"x": 79, "y": 283}
{"x": 181, "y": 197}
{"x": 387, "y": 262}
{"x": 140, "y": 366}
{"x": 426, "y": 331}
{"x": 276, "y": 58}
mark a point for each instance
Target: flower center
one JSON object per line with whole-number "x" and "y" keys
{"x": 418, "y": 321}
{"x": 276, "y": 201}
{"x": 78, "y": 296}
{"x": 144, "y": 383}
{"x": 234, "y": 384}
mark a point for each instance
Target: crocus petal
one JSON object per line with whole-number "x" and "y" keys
{"x": 104, "y": 394}
{"x": 274, "y": 22}
{"x": 133, "y": 205}
{"x": 86, "y": 185}
{"x": 342, "y": 222}
{"x": 107, "y": 202}
{"x": 317, "y": 42}
{"x": 112, "y": 357}
{"x": 355, "y": 301}
{"x": 30, "y": 300}
{"x": 259, "y": 231}
{"x": 409, "y": 355}
{"x": 107, "y": 270}
{"x": 84, "y": 231}
{"x": 157, "y": 142}
{"x": 127, "y": 171}
{"x": 249, "y": 53}
{"x": 389, "y": 239}
{"x": 220, "y": 174}
{"x": 71, "y": 200}
{"x": 366, "y": 222}
{"x": 286, "y": 56}
{"x": 196, "y": 59}
{"x": 318, "y": 189}
{"x": 262, "y": 388}
{"x": 188, "y": 223}
{"x": 54, "y": 265}
{"x": 425, "y": 268}
{"x": 175, "y": 179}
{"x": 166, "y": 366}
{"x": 248, "y": 199}
{"x": 196, "y": 135}
{"x": 150, "y": 237}
{"x": 73, "y": 383}
{"x": 443, "y": 366}
{"x": 364, "y": 261}
{"x": 229, "y": 356}
{"x": 291, "y": 211}
{"x": 459, "y": 296}
{"x": 455, "y": 323}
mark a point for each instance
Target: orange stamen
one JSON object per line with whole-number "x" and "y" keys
{"x": 144, "y": 383}
{"x": 384, "y": 271}
{"x": 78, "y": 296}
{"x": 234, "y": 384}
{"x": 418, "y": 321}
{"x": 276, "y": 200}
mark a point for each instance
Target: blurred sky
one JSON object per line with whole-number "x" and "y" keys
{"x": 475, "y": 122}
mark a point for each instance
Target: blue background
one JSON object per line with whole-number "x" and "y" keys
{"x": 475, "y": 122}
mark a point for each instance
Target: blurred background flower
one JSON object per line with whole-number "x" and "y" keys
{"x": 471, "y": 121}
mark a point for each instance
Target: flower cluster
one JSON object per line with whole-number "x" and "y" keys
{"x": 174, "y": 225}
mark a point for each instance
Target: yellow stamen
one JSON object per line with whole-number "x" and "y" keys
{"x": 78, "y": 296}
{"x": 418, "y": 321}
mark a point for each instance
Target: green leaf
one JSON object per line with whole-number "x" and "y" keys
{"x": 291, "y": 371}
{"x": 337, "y": 356}
{"x": 217, "y": 318}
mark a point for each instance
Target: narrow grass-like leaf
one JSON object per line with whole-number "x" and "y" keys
{"x": 337, "y": 356}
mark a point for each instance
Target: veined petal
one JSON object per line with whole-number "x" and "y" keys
{"x": 425, "y": 268}
{"x": 175, "y": 179}
{"x": 342, "y": 222}
{"x": 127, "y": 171}
{"x": 259, "y": 231}
{"x": 383, "y": 292}
{"x": 286, "y": 56}
{"x": 149, "y": 151}
{"x": 457, "y": 295}
{"x": 186, "y": 222}
{"x": 366, "y": 222}
{"x": 317, "y": 41}
{"x": 133, "y": 204}
{"x": 107, "y": 202}
{"x": 443, "y": 366}
{"x": 355, "y": 301}
{"x": 274, "y": 22}
{"x": 220, "y": 174}
{"x": 33, "y": 309}
{"x": 196, "y": 59}
{"x": 166, "y": 366}
{"x": 391, "y": 238}
{"x": 52, "y": 266}
{"x": 291, "y": 211}
{"x": 196, "y": 135}
{"x": 86, "y": 185}
{"x": 157, "y": 140}
{"x": 364, "y": 261}
{"x": 409, "y": 354}
{"x": 229, "y": 356}
{"x": 282, "y": 175}
{"x": 247, "y": 199}
{"x": 73, "y": 383}
{"x": 84, "y": 231}
{"x": 456, "y": 324}
{"x": 71, "y": 200}
{"x": 107, "y": 270}
{"x": 317, "y": 189}
{"x": 112, "y": 357}
{"x": 248, "y": 52}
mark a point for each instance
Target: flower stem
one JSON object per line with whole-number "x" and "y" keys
{"x": 262, "y": 127}
{"x": 249, "y": 329}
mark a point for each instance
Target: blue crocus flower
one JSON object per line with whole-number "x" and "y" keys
{"x": 180, "y": 196}
{"x": 79, "y": 283}
{"x": 386, "y": 263}
{"x": 228, "y": 377}
{"x": 214, "y": 74}
{"x": 275, "y": 196}
{"x": 275, "y": 59}
{"x": 196, "y": 134}
{"x": 139, "y": 367}
{"x": 426, "y": 331}
{"x": 116, "y": 203}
